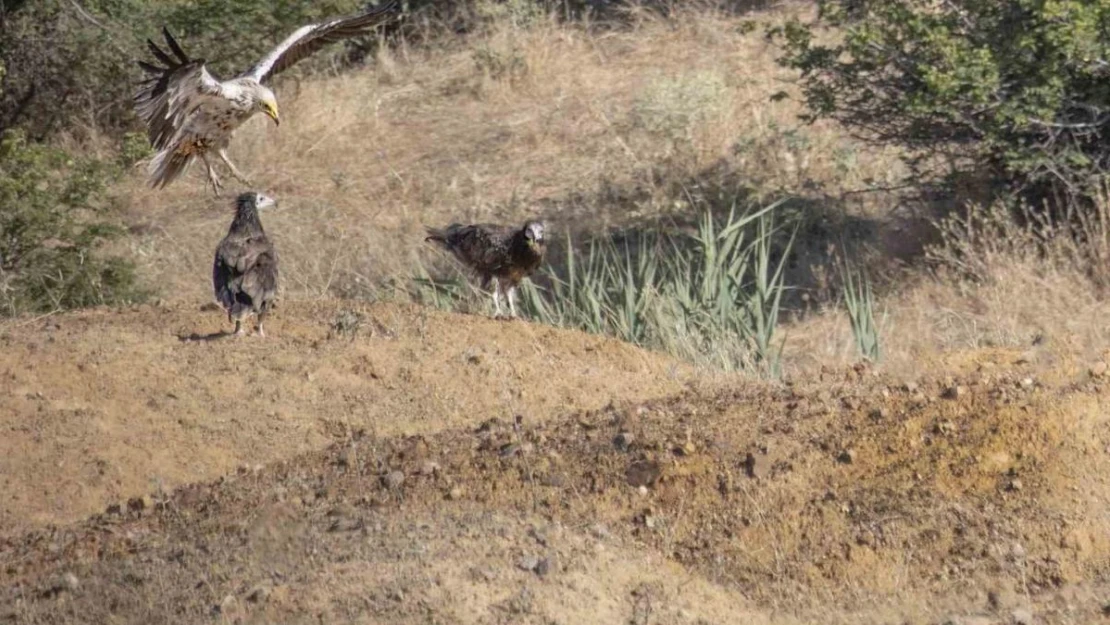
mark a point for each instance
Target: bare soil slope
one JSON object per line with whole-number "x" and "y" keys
{"x": 105, "y": 405}
{"x": 976, "y": 496}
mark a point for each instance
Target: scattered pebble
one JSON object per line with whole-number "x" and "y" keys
{"x": 848, "y": 456}
{"x": 643, "y": 473}
{"x": 1015, "y": 484}
{"x": 393, "y": 480}
{"x": 955, "y": 392}
{"x": 623, "y": 441}
{"x": 429, "y": 467}
{"x": 546, "y": 566}
{"x": 757, "y": 466}
{"x": 70, "y": 582}
{"x": 1021, "y": 616}
{"x": 1098, "y": 369}
{"x": 258, "y": 594}
{"x": 455, "y": 493}
{"x": 528, "y": 563}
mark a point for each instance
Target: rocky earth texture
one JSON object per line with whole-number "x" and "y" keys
{"x": 391, "y": 464}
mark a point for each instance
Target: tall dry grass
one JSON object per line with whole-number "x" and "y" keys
{"x": 587, "y": 128}
{"x": 594, "y": 129}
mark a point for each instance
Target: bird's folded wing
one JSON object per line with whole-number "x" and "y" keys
{"x": 306, "y": 40}
{"x": 244, "y": 256}
{"x": 260, "y": 281}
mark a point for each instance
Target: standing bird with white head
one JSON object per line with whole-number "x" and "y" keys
{"x": 189, "y": 112}
{"x": 245, "y": 272}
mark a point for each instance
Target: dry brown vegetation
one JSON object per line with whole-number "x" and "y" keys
{"x": 594, "y": 130}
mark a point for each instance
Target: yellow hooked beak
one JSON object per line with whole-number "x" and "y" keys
{"x": 271, "y": 110}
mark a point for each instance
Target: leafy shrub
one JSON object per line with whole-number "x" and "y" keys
{"x": 1016, "y": 91}
{"x": 50, "y": 234}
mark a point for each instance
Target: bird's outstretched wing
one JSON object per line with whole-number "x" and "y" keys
{"x": 306, "y": 40}
{"x": 170, "y": 93}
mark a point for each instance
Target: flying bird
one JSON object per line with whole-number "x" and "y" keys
{"x": 245, "y": 272}
{"x": 504, "y": 255}
{"x": 189, "y": 112}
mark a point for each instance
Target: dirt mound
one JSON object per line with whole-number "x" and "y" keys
{"x": 852, "y": 498}
{"x": 113, "y": 404}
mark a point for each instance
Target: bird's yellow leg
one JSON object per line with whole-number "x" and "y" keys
{"x": 234, "y": 170}
{"x": 212, "y": 177}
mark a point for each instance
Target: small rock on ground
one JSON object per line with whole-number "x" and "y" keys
{"x": 643, "y": 473}
{"x": 393, "y": 480}
{"x": 258, "y": 594}
{"x": 623, "y": 440}
{"x": 757, "y": 466}
{"x": 528, "y": 563}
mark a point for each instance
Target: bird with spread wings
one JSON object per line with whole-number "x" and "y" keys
{"x": 189, "y": 112}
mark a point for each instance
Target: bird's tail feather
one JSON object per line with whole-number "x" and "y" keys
{"x": 167, "y": 166}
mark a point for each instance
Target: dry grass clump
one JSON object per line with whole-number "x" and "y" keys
{"x": 999, "y": 278}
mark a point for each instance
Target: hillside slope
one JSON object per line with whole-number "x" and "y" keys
{"x": 114, "y": 404}
{"x": 384, "y": 478}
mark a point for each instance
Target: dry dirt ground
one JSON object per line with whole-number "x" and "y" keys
{"x": 435, "y": 468}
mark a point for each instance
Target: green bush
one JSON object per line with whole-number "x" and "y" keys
{"x": 1016, "y": 92}
{"x": 50, "y": 232}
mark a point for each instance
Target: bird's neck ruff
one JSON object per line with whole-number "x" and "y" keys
{"x": 523, "y": 251}
{"x": 246, "y": 218}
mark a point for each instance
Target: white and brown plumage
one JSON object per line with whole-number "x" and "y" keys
{"x": 245, "y": 272}
{"x": 504, "y": 255}
{"x": 189, "y": 112}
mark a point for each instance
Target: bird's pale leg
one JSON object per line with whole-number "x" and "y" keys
{"x": 511, "y": 294}
{"x": 238, "y": 328}
{"x": 497, "y": 297}
{"x": 261, "y": 332}
{"x": 212, "y": 177}
{"x": 234, "y": 170}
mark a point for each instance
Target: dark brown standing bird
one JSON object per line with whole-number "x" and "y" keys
{"x": 502, "y": 254}
{"x": 245, "y": 273}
